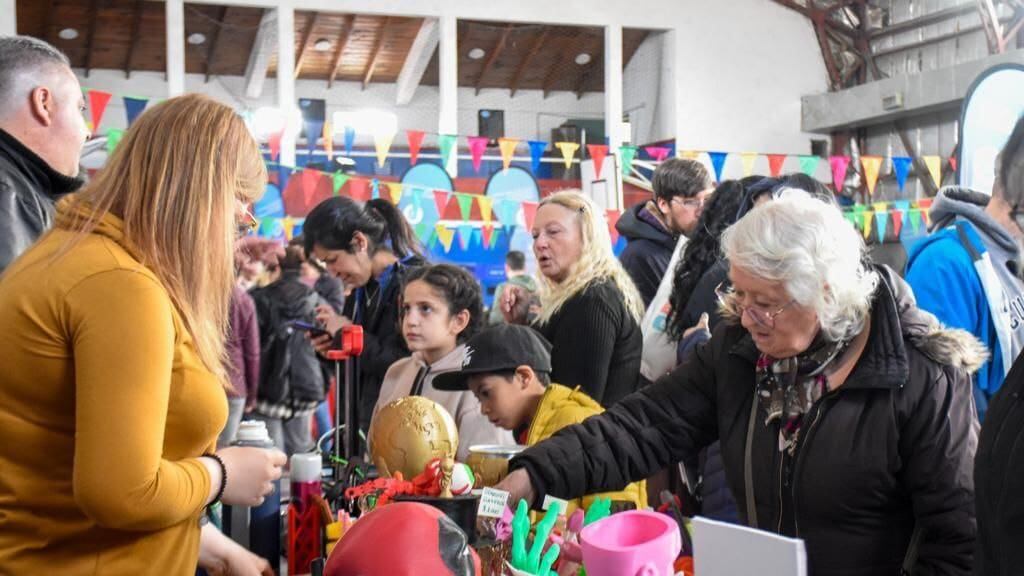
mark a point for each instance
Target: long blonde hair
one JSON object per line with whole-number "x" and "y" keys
{"x": 175, "y": 180}
{"x": 597, "y": 260}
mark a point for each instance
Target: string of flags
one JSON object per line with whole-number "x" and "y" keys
{"x": 899, "y": 217}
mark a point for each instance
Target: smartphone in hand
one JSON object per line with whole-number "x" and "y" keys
{"x": 314, "y": 330}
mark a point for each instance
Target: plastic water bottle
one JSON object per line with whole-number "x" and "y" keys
{"x": 305, "y": 478}
{"x": 258, "y": 529}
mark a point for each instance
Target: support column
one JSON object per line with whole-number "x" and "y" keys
{"x": 448, "y": 60}
{"x": 613, "y": 97}
{"x": 175, "y": 12}
{"x": 674, "y": 57}
{"x": 286, "y": 80}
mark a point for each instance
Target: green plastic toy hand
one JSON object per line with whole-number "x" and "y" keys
{"x": 532, "y": 562}
{"x": 520, "y": 532}
{"x": 600, "y": 508}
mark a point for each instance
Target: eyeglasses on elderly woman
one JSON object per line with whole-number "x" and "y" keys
{"x": 764, "y": 317}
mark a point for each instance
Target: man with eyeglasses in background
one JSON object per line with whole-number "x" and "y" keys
{"x": 653, "y": 228}
{"x": 968, "y": 270}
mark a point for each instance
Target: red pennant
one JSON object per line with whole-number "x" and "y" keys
{"x": 441, "y": 201}
{"x": 275, "y": 143}
{"x": 952, "y": 163}
{"x": 310, "y": 180}
{"x": 97, "y": 106}
{"x": 359, "y": 189}
{"x": 597, "y": 153}
{"x": 529, "y": 213}
{"x": 775, "y": 162}
{"x": 415, "y": 138}
{"x": 657, "y": 153}
{"x": 453, "y": 211}
{"x": 613, "y": 218}
{"x": 896, "y": 221}
{"x": 477, "y": 145}
{"x": 487, "y": 230}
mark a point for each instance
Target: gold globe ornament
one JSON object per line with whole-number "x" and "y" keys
{"x": 410, "y": 432}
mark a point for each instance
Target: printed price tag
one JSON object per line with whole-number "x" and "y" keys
{"x": 550, "y": 501}
{"x": 492, "y": 503}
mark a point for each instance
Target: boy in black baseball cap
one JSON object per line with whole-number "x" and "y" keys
{"x": 508, "y": 369}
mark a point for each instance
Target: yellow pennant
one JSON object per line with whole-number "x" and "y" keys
{"x": 445, "y": 235}
{"x": 396, "y": 189}
{"x": 383, "y": 144}
{"x": 934, "y": 164}
{"x": 568, "y": 151}
{"x": 871, "y": 166}
{"x": 508, "y": 150}
{"x": 748, "y": 162}
{"x": 486, "y": 204}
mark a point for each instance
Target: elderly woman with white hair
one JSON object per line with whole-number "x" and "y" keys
{"x": 844, "y": 412}
{"x": 590, "y": 309}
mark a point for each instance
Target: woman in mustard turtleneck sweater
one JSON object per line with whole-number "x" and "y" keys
{"x": 112, "y": 382}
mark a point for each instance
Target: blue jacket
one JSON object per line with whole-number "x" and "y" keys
{"x": 946, "y": 283}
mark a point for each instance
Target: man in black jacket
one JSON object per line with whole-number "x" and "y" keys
{"x": 653, "y": 227}
{"x": 42, "y": 131}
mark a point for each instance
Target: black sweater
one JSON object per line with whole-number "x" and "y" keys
{"x": 596, "y": 344}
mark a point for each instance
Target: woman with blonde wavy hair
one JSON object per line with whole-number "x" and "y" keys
{"x": 590, "y": 309}
{"x": 112, "y": 393}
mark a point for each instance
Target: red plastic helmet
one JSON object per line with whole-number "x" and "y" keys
{"x": 403, "y": 539}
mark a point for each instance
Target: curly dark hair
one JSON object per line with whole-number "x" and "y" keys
{"x": 458, "y": 288}
{"x": 703, "y": 250}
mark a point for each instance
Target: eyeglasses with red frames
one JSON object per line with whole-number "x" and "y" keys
{"x": 765, "y": 318}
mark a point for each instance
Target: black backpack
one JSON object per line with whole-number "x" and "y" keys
{"x": 289, "y": 368}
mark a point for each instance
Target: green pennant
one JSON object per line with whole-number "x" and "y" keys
{"x": 850, "y": 217}
{"x": 424, "y": 231}
{"x": 338, "y": 180}
{"x": 446, "y": 142}
{"x": 915, "y": 219}
{"x": 114, "y": 136}
{"x": 809, "y": 165}
{"x": 627, "y": 153}
{"x": 465, "y": 205}
{"x": 267, "y": 225}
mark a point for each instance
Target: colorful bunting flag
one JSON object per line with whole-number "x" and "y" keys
{"x": 748, "y": 163}
{"x": 537, "y": 148}
{"x": 915, "y": 220}
{"x": 839, "y": 165}
{"x": 465, "y": 235}
{"x": 897, "y": 222}
{"x": 871, "y": 165}
{"x": 375, "y": 187}
{"x": 657, "y": 153}
{"x": 133, "y": 107}
{"x": 415, "y": 139}
{"x": 597, "y": 152}
{"x": 382, "y": 142}
{"x": 508, "y": 151}
{"x": 477, "y": 145}
{"x": 441, "y": 201}
{"x": 718, "y": 162}
{"x": 350, "y": 139}
{"x": 568, "y": 151}
{"x": 274, "y": 143}
{"x": 465, "y": 205}
{"x": 445, "y": 235}
{"x": 627, "y": 153}
{"x": 487, "y": 231}
{"x": 775, "y": 162}
{"x": 880, "y": 221}
{"x": 338, "y": 180}
{"x": 529, "y": 213}
{"x": 328, "y": 137}
{"x": 506, "y": 210}
{"x": 395, "y": 189}
{"x": 868, "y": 217}
{"x": 359, "y": 189}
{"x": 310, "y": 180}
{"x": 485, "y": 203}
{"x": 901, "y": 167}
{"x": 689, "y": 154}
{"x": 934, "y": 164}
{"x": 612, "y": 218}
{"x": 114, "y": 136}
{"x": 446, "y": 142}
{"x": 809, "y": 165}
{"x": 98, "y": 101}
{"x": 952, "y": 163}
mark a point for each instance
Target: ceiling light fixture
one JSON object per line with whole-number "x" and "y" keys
{"x": 583, "y": 58}
{"x": 322, "y": 45}
{"x": 68, "y": 34}
{"x": 476, "y": 53}
{"x": 196, "y": 38}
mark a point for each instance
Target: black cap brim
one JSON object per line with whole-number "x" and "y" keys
{"x": 456, "y": 381}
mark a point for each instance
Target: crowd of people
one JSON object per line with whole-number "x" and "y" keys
{"x": 810, "y": 391}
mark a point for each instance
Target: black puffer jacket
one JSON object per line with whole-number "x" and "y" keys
{"x": 28, "y": 190}
{"x": 893, "y": 446}
{"x": 649, "y": 250}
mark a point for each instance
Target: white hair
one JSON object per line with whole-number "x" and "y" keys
{"x": 817, "y": 255}
{"x": 25, "y": 63}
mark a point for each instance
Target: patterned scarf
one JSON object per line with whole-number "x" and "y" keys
{"x": 788, "y": 387}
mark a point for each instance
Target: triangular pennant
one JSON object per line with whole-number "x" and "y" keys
{"x": 476, "y": 239}
{"x": 839, "y": 165}
{"x": 133, "y": 107}
{"x": 506, "y": 210}
{"x": 375, "y": 187}
{"x": 901, "y": 167}
{"x": 314, "y": 128}
{"x": 508, "y": 151}
{"x": 487, "y": 231}
{"x": 597, "y": 152}
{"x": 288, "y": 225}
{"x": 880, "y": 206}
{"x": 689, "y": 154}
{"x": 612, "y": 217}
{"x": 748, "y": 162}
{"x": 382, "y": 142}
{"x": 775, "y": 162}
{"x": 897, "y": 222}
{"x": 359, "y": 189}
{"x": 915, "y": 220}
{"x": 350, "y": 139}
{"x": 310, "y": 180}
{"x": 627, "y": 153}
{"x": 446, "y": 142}
{"x": 952, "y": 163}
{"x": 868, "y": 217}
{"x": 424, "y": 230}
{"x": 871, "y": 165}
{"x": 657, "y": 153}
{"x": 477, "y": 145}
{"x": 809, "y": 165}
{"x": 338, "y": 180}
{"x": 445, "y": 235}
{"x": 529, "y": 213}
{"x": 267, "y": 226}
{"x": 98, "y": 101}
{"x": 415, "y": 139}
{"x": 881, "y": 218}
{"x": 934, "y": 164}
{"x": 568, "y": 150}
{"x": 718, "y": 162}
{"x": 114, "y": 136}
{"x": 537, "y": 148}
{"x": 453, "y": 211}
{"x": 926, "y": 219}
{"x": 465, "y": 205}
{"x": 328, "y": 137}
{"x": 851, "y": 218}
{"x": 465, "y": 235}
{"x": 485, "y": 204}
{"x": 440, "y": 200}
{"x": 497, "y": 234}
{"x": 274, "y": 143}
{"x": 395, "y": 190}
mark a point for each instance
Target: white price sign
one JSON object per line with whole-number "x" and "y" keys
{"x": 492, "y": 503}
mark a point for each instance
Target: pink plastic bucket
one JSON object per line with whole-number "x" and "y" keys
{"x": 634, "y": 543}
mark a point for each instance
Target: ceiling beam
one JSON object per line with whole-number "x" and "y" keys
{"x": 305, "y": 43}
{"x": 534, "y": 49}
{"x": 214, "y": 42}
{"x": 133, "y": 44}
{"x": 91, "y": 34}
{"x": 264, "y": 46}
{"x": 993, "y": 29}
{"x": 493, "y": 57}
{"x": 343, "y": 36}
{"x": 375, "y": 55}
{"x": 1014, "y": 28}
{"x": 417, "y": 60}
{"x": 926, "y": 20}
{"x": 552, "y": 75}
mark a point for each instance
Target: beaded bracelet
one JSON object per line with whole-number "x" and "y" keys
{"x": 223, "y": 478}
